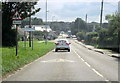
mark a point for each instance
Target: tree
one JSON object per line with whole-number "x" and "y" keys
{"x": 38, "y": 35}
{"x": 37, "y": 21}
{"x": 114, "y": 31}
{"x": 91, "y": 38}
{"x": 80, "y": 35}
{"x": 108, "y": 17}
{"x": 34, "y": 21}
{"x": 8, "y": 9}
{"x": 60, "y": 26}
{"x": 103, "y": 35}
{"x": 79, "y": 26}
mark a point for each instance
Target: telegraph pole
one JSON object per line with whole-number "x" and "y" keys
{"x": 86, "y": 17}
{"x": 30, "y": 25}
{"x": 46, "y": 23}
{"x": 46, "y": 12}
{"x": 101, "y": 15}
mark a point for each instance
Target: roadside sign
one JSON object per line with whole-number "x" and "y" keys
{"x": 29, "y": 29}
{"x": 16, "y": 16}
{"x": 16, "y": 22}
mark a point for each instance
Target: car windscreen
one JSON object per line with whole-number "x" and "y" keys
{"x": 62, "y": 41}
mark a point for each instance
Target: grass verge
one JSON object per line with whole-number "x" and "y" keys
{"x": 10, "y": 62}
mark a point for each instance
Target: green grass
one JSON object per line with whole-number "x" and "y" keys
{"x": 10, "y": 62}
{"x": 107, "y": 49}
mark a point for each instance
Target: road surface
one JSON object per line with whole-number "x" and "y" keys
{"x": 80, "y": 64}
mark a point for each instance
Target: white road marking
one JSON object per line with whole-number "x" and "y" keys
{"x": 91, "y": 67}
{"x": 58, "y": 60}
{"x": 82, "y": 59}
{"x": 77, "y": 54}
{"x": 87, "y": 64}
{"x": 97, "y": 73}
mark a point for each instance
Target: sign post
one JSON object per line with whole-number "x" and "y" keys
{"x": 16, "y": 39}
{"x": 16, "y": 21}
{"x": 29, "y": 30}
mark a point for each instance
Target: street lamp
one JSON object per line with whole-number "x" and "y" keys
{"x": 46, "y": 11}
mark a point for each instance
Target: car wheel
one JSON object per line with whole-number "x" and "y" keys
{"x": 56, "y": 50}
{"x": 68, "y": 50}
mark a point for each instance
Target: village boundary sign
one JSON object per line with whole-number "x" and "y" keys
{"x": 16, "y": 21}
{"x": 16, "y": 18}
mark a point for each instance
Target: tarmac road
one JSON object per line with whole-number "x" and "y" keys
{"x": 80, "y": 64}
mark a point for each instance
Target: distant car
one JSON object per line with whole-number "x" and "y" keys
{"x": 68, "y": 37}
{"x": 74, "y": 36}
{"x": 62, "y": 44}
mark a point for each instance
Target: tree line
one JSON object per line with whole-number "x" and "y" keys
{"x": 107, "y": 36}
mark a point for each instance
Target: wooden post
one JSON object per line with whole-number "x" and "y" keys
{"x": 16, "y": 40}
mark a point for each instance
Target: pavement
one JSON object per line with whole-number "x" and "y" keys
{"x": 106, "y": 52}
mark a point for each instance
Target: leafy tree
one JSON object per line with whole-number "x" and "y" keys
{"x": 38, "y": 35}
{"x": 8, "y": 9}
{"x": 103, "y": 35}
{"x": 91, "y": 38}
{"x": 108, "y": 17}
{"x": 60, "y": 26}
{"x": 114, "y": 31}
{"x": 81, "y": 35}
{"x": 93, "y": 26}
{"x": 37, "y": 21}
{"x": 34, "y": 21}
{"x": 79, "y": 26}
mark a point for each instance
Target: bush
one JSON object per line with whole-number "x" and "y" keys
{"x": 81, "y": 35}
{"x": 91, "y": 38}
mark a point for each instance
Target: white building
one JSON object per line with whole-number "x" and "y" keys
{"x": 40, "y": 27}
{"x": 119, "y": 6}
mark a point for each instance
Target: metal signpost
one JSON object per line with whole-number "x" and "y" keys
{"x": 16, "y": 21}
{"x": 29, "y": 30}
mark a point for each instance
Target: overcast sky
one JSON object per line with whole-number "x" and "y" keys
{"x": 69, "y": 10}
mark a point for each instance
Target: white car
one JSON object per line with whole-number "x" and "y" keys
{"x": 62, "y": 44}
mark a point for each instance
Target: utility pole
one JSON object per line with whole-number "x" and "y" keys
{"x": 46, "y": 23}
{"x": 30, "y": 25}
{"x": 101, "y": 14}
{"x": 46, "y": 12}
{"x": 78, "y": 25}
{"x": 86, "y": 18}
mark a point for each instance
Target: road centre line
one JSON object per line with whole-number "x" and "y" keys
{"x": 97, "y": 72}
{"x": 82, "y": 59}
{"x": 77, "y": 54}
{"x": 91, "y": 67}
{"x": 87, "y": 64}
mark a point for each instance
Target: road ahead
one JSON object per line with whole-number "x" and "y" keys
{"x": 80, "y": 64}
